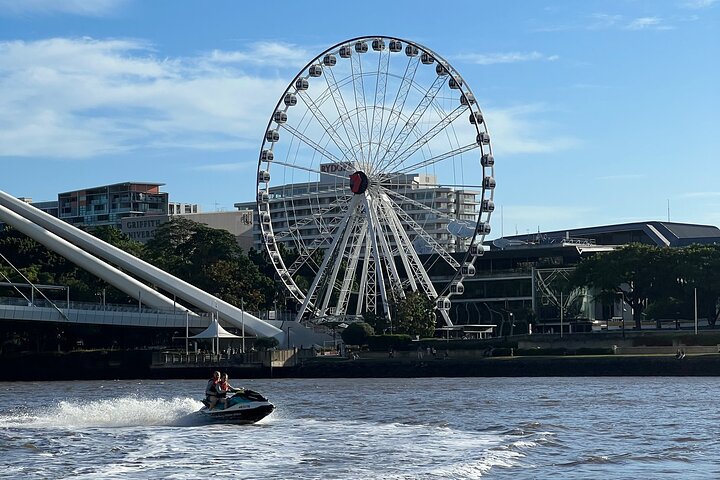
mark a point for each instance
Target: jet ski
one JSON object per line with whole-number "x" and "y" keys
{"x": 246, "y": 406}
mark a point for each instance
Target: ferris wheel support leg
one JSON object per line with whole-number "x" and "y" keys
{"x": 349, "y": 276}
{"x": 384, "y": 246}
{"x": 376, "y": 260}
{"x": 336, "y": 266}
{"x": 326, "y": 260}
{"x": 362, "y": 296}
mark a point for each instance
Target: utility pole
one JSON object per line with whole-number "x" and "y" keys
{"x": 696, "y": 316}
{"x": 562, "y": 314}
{"x": 242, "y": 322}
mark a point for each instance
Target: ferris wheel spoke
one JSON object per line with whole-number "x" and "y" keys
{"x": 308, "y": 169}
{"x": 420, "y": 232}
{"x": 428, "y": 162}
{"x": 378, "y": 112}
{"x": 386, "y": 216}
{"x": 396, "y": 111}
{"x": 308, "y": 251}
{"x": 325, "y": 123}
{"x": 416, "y": 273}
{"x": 341, "y": 107}
{"x": 303, "y": 138}
{"x": 337, "y": 204}
{"x": 405, "y": 199}
{"x": 425, "y": 138}
{"x": 411, "y": 122}
{"x": 360, "y": 105}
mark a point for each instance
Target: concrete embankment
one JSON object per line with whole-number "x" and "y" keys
{"x": 138, "y": 364}
{"x": 537, "y": 366}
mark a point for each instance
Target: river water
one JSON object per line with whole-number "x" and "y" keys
{"x": 500, "y": 428}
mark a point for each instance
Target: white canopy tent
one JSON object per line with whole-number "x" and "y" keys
{"x": 215, "y": 332}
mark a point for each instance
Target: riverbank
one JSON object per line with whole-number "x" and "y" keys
{"x": 108, "y": 365}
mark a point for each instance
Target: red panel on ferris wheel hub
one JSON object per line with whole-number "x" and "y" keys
{"x": 359, "y": 182}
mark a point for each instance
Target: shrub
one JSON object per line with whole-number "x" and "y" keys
{"x": 357, "y": 333}
{"x": 265, "y": 343}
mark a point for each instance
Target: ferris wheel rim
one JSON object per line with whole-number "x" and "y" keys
{"x": 271, "y": 246}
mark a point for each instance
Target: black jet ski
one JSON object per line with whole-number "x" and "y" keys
{"x": 246, "y": 406}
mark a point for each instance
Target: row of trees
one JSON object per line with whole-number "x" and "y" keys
{"x": 208, "y": 258}
{"x": 656, "y": 282}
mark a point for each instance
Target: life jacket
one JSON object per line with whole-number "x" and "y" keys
{"x": 222, "y": 388}
{"x": 211, "y": 388}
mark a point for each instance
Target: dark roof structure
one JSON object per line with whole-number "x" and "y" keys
{"x": 668, "y": 234}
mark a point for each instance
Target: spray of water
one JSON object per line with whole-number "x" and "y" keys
{"x": 128, "y": 411}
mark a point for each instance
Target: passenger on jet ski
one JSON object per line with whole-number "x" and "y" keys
{"x": 223, "y": 387}
{"x": 211, "y": 391}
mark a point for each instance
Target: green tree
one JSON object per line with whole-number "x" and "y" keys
{"x": 414, "y": 315}
{"x": 699, "y": 268}
{"x": 266, "y": 343}
{"x": 357, "y": 333}
{"x": 378, "y": 321}
{"x": 211, "y": 260}
{"x": 639, "y": 273}
{"x": 118, "y": 239}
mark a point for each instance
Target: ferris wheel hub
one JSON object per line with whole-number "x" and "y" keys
{"x": 359, "y": 182}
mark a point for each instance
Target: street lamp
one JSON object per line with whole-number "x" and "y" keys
{"x": 621, "y": 310}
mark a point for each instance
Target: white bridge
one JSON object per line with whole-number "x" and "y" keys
{"x": 106, "y": 261}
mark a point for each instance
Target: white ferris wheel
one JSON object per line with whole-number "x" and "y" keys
{"x": 375, "y": 167}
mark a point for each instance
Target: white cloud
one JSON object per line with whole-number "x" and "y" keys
{"x": 599, "y": 21}
{"x": 518, "y": 130}
{"x": 83, "y": 98}
{"x": 75, "y": 98}
{"x": 264, "y": 53}
{"x": 648, "y": 23}
{"x": 698, "y": 4}
{"x": 90, "y": 8}
{"x": 606, "y": 21}
{"x": 507, "y": 57}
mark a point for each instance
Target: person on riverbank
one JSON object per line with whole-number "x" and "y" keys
{"x": 211, "y": 391}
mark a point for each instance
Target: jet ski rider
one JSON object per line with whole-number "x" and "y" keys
{"x": 211, "y": 391}
{"x": 223, "y": 388}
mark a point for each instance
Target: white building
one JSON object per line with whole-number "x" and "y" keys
{"x": 446, "y": 214}
{"x": 239, "y": 223}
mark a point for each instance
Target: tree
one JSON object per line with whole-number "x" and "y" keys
{"x": 118, "y": 239}
{"x": 378, "y": 321}
{"x": 637, "y": 272}
{"x": 699, "y": 268}
{"x": 211, "y": 260}
{"x": 266, "y": 343}
{"x": 414, "y": 315}
{"x": 357, "y": 333}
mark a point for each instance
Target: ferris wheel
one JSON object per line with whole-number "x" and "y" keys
{"x": 376, "y": 171}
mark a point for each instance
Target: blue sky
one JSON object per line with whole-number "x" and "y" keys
{"x": 601, "y": 111}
